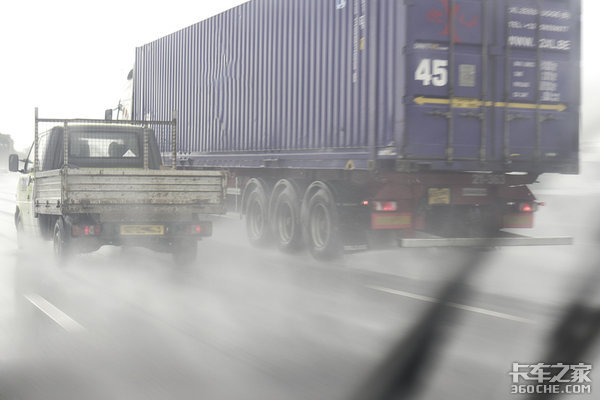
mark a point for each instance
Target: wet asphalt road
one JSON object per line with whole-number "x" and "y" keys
{"x": 246, "y": 323}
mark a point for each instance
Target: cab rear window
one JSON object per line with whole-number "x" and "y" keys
{"x": 104, "y": 145}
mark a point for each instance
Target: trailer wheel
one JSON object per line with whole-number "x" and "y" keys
{"x": 286, "y": 220}
{"x": 61, "y": 244}
{"x": 185, "y": 252}
{"x": 321, "y": 227}
{"x": 257, "y": 227}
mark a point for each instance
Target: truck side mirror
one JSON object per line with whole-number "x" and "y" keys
{"x": 13, "y": 162}
{"x": 108, "y": 114}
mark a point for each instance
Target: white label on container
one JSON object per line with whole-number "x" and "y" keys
{"x": 466, "y": 75}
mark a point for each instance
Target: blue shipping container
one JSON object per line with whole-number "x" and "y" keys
{"x": 372, "y": 84}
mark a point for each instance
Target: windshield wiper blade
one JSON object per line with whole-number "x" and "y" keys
{"x": 576, "y": 334}
{"x": 398, "y": 376}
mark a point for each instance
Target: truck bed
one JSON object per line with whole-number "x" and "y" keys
{"x": 121, "y": 192}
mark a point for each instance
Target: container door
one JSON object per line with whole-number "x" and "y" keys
{"x": 538, "y": 112}
{"x": 448, "y": 80}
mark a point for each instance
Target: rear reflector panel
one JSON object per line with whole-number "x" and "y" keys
{"x": 391, "y": 220}
{"x": 518, "y": 220}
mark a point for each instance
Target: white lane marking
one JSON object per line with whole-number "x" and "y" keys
{"x": 56, "y": 315}
{"x": 477, "y": 310}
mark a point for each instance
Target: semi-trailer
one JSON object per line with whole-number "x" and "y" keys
{"x": 422, "y": 120}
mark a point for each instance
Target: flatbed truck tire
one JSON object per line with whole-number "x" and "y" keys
{"x": 20, "y": 231}
{"x": 61, "y": 243}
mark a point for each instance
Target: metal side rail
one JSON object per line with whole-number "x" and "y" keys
{"x": 504, "y": 239}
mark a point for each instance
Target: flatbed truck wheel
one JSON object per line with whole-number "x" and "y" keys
{"x": 20, "y": 231}
{"x": 61, "y": 243}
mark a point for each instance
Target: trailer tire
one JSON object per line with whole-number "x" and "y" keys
{"x": 285, "y": 220}
{"x": 61, "y": 243}
{"x": 185, "y": 252}
{"x": 257, "y": 214}
{"x": 321, "y": 227}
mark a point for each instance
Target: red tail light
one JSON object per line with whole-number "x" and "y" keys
{"x": 526, "y": 208}
{"x": 86, "y": 230}
{"x": 194, "y": 229}
{"x": 387, "y": 206}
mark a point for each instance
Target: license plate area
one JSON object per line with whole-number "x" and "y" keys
{"x": 142, "y": 230}
{"x": 438, "y": 196}
{"x": 391, "y": 220}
